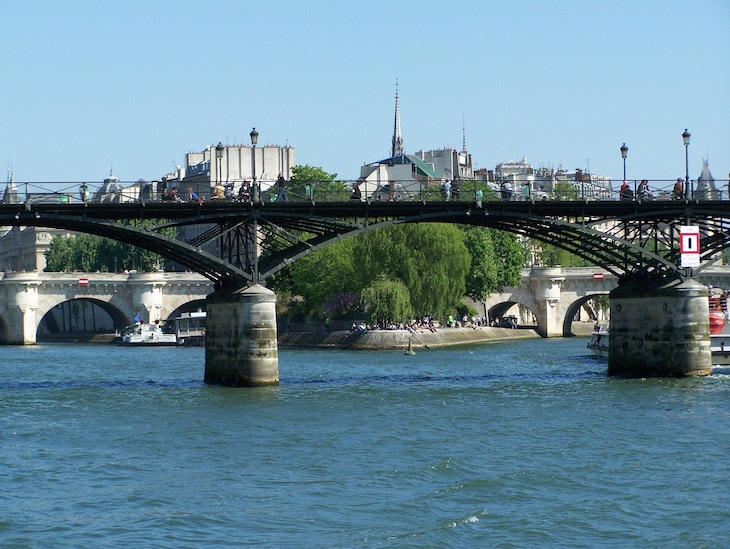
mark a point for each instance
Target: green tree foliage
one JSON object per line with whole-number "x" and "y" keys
{"x": 387, "y": 300}
{"x": 86, "y": 252}
{"x": 565, "y": 191}
{"x": 482, "y": 278}
{"x": 511, "y": 257}
{"x": 322, "y": 185}
{"x": 320, "y": 275}
{"x": 549, "y": 255}
{"x": 469, "y": 188}
{"x": 431, "y": 260}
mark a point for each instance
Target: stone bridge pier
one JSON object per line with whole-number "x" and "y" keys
{"x": 659, "y": 328}
{"x": 546, "y": 288}
{"x": 19, "y": 307}
{"x": 241, "y": 348}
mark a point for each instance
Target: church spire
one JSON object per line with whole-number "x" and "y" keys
{"x": 397, "y": 148}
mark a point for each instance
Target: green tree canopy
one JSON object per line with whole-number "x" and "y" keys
{"x": 387, "y": 300}
{"x": 511, "y": 257}
{"x": 430, "y": 259}
{"x": 322, "y": 185}
{"x": 482, "y": 278}
{"x": 87, "y": 252}
{"x": 320, "y": 275}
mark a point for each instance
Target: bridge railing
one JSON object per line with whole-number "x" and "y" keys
{"x": 343, "y": 191}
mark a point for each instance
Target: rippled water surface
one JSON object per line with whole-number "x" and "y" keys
{"x": 514, "y": 444}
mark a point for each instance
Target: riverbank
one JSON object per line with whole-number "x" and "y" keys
{"x": 372, "y": 340}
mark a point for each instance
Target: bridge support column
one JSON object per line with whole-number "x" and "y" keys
{"x": 20, "y": 317}
{"x": 659, "y": 329}
{"x": 241, "y": 342}
{"x": 546, "y": 283}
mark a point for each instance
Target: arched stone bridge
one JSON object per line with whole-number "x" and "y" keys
{"x": 638, "y": 242}
{"x": 25, "y": 298}
{"x": 555, "y": 295}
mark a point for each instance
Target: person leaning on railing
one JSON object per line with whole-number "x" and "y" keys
{"x": 677, "y": 190}
{"x": 643, "y": 192}
{"x": 626, "y": 194}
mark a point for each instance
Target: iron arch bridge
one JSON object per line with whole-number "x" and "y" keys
{"x": 256, "y": 240}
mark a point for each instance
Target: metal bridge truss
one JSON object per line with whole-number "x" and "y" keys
{"x": 251, "y": 242}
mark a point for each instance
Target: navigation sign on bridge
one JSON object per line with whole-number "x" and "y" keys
{"x": 689, "y": 246}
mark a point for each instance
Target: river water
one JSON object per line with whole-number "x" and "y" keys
{"x": 508, "y": 444}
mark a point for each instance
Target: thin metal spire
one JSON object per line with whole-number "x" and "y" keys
{"x": 463, "y": 133}
{"x": 397, "y": 148}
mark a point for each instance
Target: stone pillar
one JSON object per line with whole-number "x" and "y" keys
{"x": 147, "y": 298}
{"x": 546, "y": 283}
{"x": 21, "y": 319}
{"x": 659, "y": 328}
{"x": 241, "y": 342}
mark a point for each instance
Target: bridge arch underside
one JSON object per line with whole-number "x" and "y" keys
{"x": 500, "y": 309}
{"x": 80, "y": 315}
{"x": 573, "y": 310}
{"x": 189, "y": 307}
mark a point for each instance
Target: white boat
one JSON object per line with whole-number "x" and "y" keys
{"x": 190, "y": 329}
{"x": 599, "y": 341}
{"x": 147, "y": 334}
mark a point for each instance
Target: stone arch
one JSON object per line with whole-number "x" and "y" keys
{"x": 573, "y": 308}
{"x": 500, "y": 309}
{"x": 188, "y": 306}
{"x": 117, "y": 310}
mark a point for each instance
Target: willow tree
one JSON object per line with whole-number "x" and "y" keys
{"x": 387, "y": 300}
{"x": 431, "y": 260}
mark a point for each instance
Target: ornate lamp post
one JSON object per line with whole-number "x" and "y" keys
{"x": 624, "y": 151}
{"x": 255, "y": 188}
{"x": 219, "y": 156}
{"x": 688, "y": 191}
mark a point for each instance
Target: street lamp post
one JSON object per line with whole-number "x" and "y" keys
{"x": 219, "y": 156}
{"x": 688, "y": 191}
{"x": 624, "y": 151}
{"x": 255, "y": 188}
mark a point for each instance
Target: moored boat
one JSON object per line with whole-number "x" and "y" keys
{"x": 599, "y": 341}
{"x": 190, "y": 329}
{"x": 147, "y": 334}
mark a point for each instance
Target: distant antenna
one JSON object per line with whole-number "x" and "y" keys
{"x": 588, "y": 165}
{"x": 463, "y": 134}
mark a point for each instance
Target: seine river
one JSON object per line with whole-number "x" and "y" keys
{"x": 508, "y": 444}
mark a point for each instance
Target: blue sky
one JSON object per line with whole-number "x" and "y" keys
{"x": 134, "y": 85}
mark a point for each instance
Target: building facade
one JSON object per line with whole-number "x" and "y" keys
{"x": 204, "y": 169}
